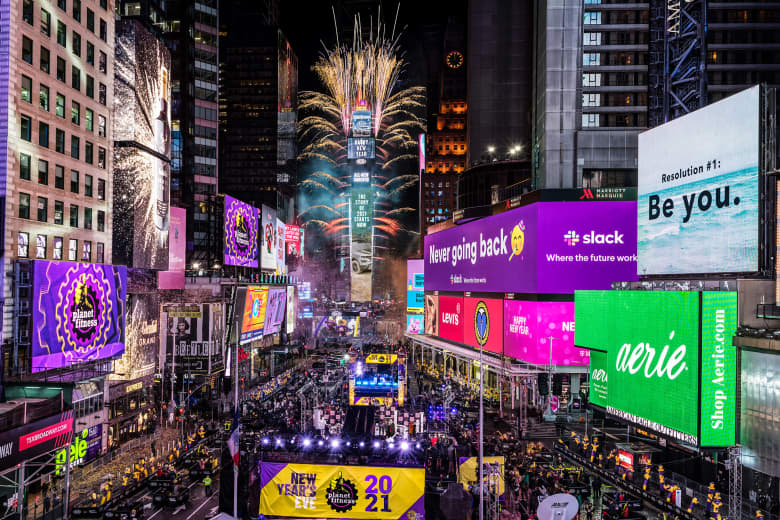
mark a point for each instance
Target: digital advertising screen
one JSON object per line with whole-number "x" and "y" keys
{"x": 78, "y": 313}
{"x": 142, "y": 337}
{"x": 654, "y": 349}
{"x": 699, "y": 205}
{"x": 431, "y": 314}
{"x": 339, "y": 491}
{"x": 361, "y": 148}
{"x": 195, "y": 336}
{"x": 528, "y": 327}
{"x": 268, "y": 239}
{"x": 361, "y": 235}
{"x": 173, "y": 278}
{"x": 86, "y": 446}
{"x": 415, "y": 287}
{"x": 421, "y": 151}
{"x": 281, "y": 249}
{"x": 241, "y": 221}
{"x": 275, "y": 311}
{"x": 292, "y": 240}
{"x": 598, "y": 379}
{"x": 584, "y": 245}
{"x": 414, "y": 324}
{"x": 253, "y": 320}
{"x": 290, "y": 319}
{"x": 450, "y": 318}
{"x": 483, "y": 324}
{"x": 362, "y": 124}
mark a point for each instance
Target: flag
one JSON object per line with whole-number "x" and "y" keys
{"x": 233, "y": 440}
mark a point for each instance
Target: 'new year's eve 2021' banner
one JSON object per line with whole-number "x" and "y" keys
{"x": 360, "y": 492}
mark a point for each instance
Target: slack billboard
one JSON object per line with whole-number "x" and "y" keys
{"x": 450, "y": 314}
{"x": 483, "y": 324}
{"x": 546, "y": 247}
{"x": 528, "y": 327}
{"x": 78, "y": 313}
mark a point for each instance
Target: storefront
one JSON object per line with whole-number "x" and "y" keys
{"x": 132, "y": 410}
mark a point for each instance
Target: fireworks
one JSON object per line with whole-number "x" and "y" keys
{"x": 363, "y": 76}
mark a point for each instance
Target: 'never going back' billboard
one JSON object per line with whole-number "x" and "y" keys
{"x": 655, "y": 344}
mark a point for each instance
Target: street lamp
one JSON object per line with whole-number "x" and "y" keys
{"x": 491, "y": 149}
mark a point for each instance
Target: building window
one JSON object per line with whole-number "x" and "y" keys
{"x": 103, "y": 30}
{"x": 103, "y": 62}
{"x": 62, "y": 33}
{"x": 26, "y": 128}
{"x": 43, "y": 209}
{"x": 27, "y": 52}
{"x": 76, "y": 43}
{"x": 100, "y": 253}
{"x": 59, "y": 212}
{"x": 24, "y": 205}
{"x": 75, "y": 113}
{"x": 59, "y": 141}
{"x": 590, "y": 120}
{"x": 61, "y": 70}
{"x": 104, "y": 4}
{"x": 77, "y": 10}
{"x": 45, "y": 56}
{"x": 59, "y": 107}
{"x": 59, "y": 177}
{"x": 591, "y": 58}
{"x": 591, "y": 80}
{"x": 75, "y": 77}
{"x": 593, "y": 18}
{"x": 75, "y": 145}
{"x": 90, "y": 20}
{"x": 57, "y": 248}
{"x": 88, "y": 152}
{"x": 591, "y": 100}
{"x": 101, "y": 126}
{"x": 23, "y": 246}
{"x": 591, "y": 38}
{"x": 26, "y": 89}
{"x": 24, "y": 166}
{"x": 45, "y": 22}
{"x": 43, "y": 172}
{"x": 101, "y": 195}
{"x": 88, "y": 185}
{"x": 74, "y": 181}
{"x": 43, "y": 134}
{"x": 102, "y": 90}
{"x": 62, "y": 4}
{"x": 90, "y": 54}
{"x": 73, "y": 249}
{"x": 101, "y": 158}
{"x": 86, "y": 251}
{"x": 90, "y": 87}
{"x": 27, "y": 11}
{"x": 40, "y": 246}
{"x": 44, "y": 97}
{"x": 74, "y": 215}
{"x": 89, "y": 117}
{"x": 101, "y": 223}
{"x": 87, "y": 218}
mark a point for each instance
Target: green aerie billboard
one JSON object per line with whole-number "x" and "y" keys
{"x": 669, "y": 360}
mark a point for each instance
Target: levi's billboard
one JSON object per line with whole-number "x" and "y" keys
{"x": 546, "y": 247}
{"x": 670, "y": 363}
{"x": 450, "y": 322}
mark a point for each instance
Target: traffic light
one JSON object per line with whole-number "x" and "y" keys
{"x": 180, "y": 413}
{"x": 557, "y": 384}
{"x": 541, "y": 381}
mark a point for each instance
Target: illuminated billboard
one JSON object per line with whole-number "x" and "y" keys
{"x": 529, "y": 327}
{"x": 431, "y": 315}
{"x": 699, "y": 205}
{"x": 361, "y": 236}
{"x": 275, "y": 310}
{"x": 670, "y": 364}
{"x": 141, "y": 127}
{"x": 340, "y": 491}
{"x": 281, "y": 261}
{"x": 142, "y": 345}
{"x": 241, "y": 244}
{"x": 196, "y": 335}
{"x": 450, "y": 320}
{"x": 268, "y": 239}
{"x": 546, "y": 247}
{"x": 415, "y": 297}
{"x": 173, "y": 278}
{"x": 421, "y": 151}
{"x": 78, "y": 313}
{"x": 483, "y": 323}
{"x": 598, "y": 379}
{"x": 362, "y": 124}
{"x": 414, "y": 324}
{"x": 290, "y": 320}
{"x": 361, "y": 148}
{"x": 253, "y": 319}
{"x": 292, "y": 240}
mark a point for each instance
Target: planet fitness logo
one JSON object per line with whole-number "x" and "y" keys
{"x": 83, "y": 313}
{"x": 481, "y": 324}
{"x": 240, "y": 224}
{"x": 341, "y": 494}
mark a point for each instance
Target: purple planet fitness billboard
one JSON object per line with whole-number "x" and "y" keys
{"x": 547, "y": 247}
{"x": 240, "y": 233}
{"x": 78, "y": 313}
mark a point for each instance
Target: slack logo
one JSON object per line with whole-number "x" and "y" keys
{"x": 572, "y": 238}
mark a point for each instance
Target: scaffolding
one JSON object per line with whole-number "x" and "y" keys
{"x": 735, "y": 482}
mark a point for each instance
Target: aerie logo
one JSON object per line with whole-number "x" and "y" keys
{"x": 643, "y": 357}
{"x": 599, "y": 376}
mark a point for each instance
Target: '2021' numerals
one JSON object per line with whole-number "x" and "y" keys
{"x": 378, "y": 489}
